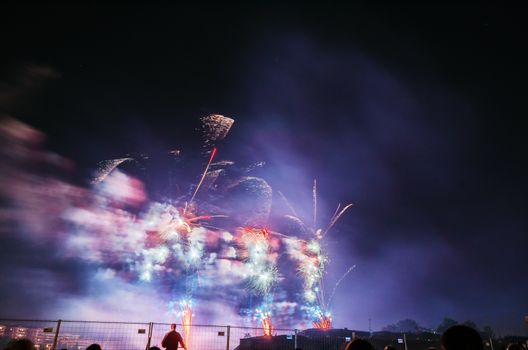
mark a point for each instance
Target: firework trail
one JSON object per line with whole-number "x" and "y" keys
{"x": 213, "y": 153}
{"x": 290, "y": 207}
{"x": 339, "y": 282}
{"x": 314, "y": 201}
{"x": 336, "y": 217}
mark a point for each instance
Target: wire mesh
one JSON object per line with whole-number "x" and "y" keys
{"x": 77, "y": 335}
{"x": 202, "y": 337}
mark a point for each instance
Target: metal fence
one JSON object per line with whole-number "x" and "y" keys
{"x": 77, "y": 335}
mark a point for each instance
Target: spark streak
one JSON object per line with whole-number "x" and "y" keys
{"x": 213, "y": 153}
{"x": 265, "y": 320}
{"x": 186, "y": 318}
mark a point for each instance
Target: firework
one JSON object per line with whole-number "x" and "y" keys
{"x": 186, "y": 318}
{"x": 312, "y": 261}
{"x": 339, "y": 282}
{"x": 181, "y": 248}
{"x": 324, "y": 321}
{"x": 213, "y": 153}
{"x": 256, "y": 252}
{"x": 105, "y": 167}
{"x": 266, "y": 325}
{"x": 179, "y": 222}
{"x": 215, "y": 128}
{"x": 171, "y": 243}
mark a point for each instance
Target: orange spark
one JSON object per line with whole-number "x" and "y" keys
{"x": 325, "y": 322}
{"x": 187, "y": 323}
{"x": 266, "y": 325}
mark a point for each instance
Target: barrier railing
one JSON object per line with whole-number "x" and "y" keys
{"x": 77, "y": 335}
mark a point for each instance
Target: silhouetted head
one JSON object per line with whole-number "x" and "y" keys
{"x": 20, "y": 344}
{"x": 461, "y": 337}
{"x": 514, "y": 346}
{"x": 173, "y": 326}
{"x": 389, "y": 347}
{"x": 154, "y": 348}
{"x": 94, "y": 347}
{"x": 359, "y": 344}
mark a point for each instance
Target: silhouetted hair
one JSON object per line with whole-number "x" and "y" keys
{"x": 359, "y": 344}
{"x": 461, "y": 337}
{"x": 389, "y": 347}
{"x": 514, "y": 346}
{"x": 94, "y": 347}
{"x": 20, "y": 344}
{"x": 154, "y": 348}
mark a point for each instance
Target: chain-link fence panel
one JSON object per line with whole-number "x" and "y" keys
{"x": 77, "y": 335}
{"x": 196, "y": 337}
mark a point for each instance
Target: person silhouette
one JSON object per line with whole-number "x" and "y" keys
{"x": 461, "y": 337}
{"x": 94, "y": 347}
{"x": 172, "y": 339}
{"x": 359, "y": 344}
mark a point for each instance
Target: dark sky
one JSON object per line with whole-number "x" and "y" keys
{"x": 415, "y": 113}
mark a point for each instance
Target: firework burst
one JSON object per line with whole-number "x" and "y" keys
{"x": 256, "y": 250}
{"x": 312, "y": 262}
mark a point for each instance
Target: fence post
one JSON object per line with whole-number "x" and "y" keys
{"x": 295, "y": 339}
{"x": 228, "y": 338}
{"x": 56, "y": 335}
{"x": 149, "y": 335}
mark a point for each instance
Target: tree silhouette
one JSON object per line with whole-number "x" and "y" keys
{"x": 445, "y": 324}
{"x": 404, "y": 326}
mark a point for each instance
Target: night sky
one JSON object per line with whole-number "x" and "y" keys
{"x": 414, "y": 113}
